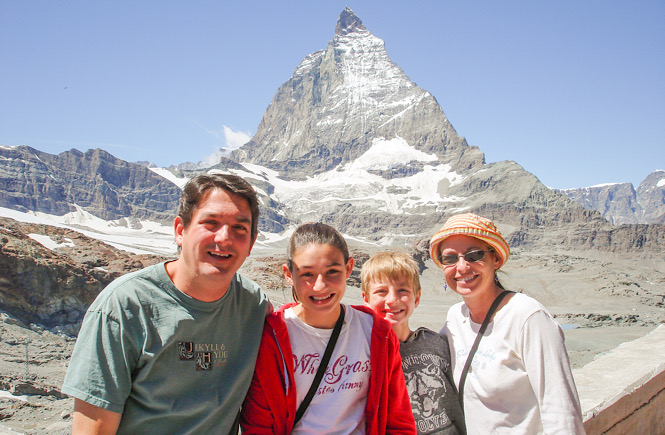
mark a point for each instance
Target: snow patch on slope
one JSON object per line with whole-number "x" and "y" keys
{"x": 139, "y": 237}
{"x": 354, "y": 184}
{"x": 387, "y": 154}
{"x": 49, "y": 243}
{"x": 165, "y": 173}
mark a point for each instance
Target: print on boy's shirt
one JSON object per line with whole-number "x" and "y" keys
{"x": 340, "y": 375}
{"x": 424, "y": 375}
{"x": 206, "y": 355}
{"x": 424, "y": 359}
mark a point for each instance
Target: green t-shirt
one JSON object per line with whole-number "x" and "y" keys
{"x": 169, "y": 363}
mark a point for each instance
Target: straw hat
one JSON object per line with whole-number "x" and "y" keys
{"x": 471, "y": 225}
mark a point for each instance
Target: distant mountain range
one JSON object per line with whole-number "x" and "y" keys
{"x": 621, "y": 203}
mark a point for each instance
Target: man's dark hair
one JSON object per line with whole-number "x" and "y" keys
{"x": 200, "y": 186}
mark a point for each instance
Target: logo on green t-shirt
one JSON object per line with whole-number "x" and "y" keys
{"x": 207, "y": 355}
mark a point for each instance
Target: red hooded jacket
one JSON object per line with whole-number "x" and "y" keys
{"x": 270, "y": 405}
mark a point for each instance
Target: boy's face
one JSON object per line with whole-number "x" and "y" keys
{"x": 394, "y": 300}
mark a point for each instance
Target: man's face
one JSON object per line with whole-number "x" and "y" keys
{"x": 217, "y": 240}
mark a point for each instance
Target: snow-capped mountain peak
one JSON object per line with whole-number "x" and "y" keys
{"x": 340, "y": 100}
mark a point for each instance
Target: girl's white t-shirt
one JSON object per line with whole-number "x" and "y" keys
{"x": 339, "y": 403}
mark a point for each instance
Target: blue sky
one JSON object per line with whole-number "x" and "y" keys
{"x": 574, "y": 91}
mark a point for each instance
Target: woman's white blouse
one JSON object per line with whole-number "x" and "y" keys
{"x": 520, "y": 379}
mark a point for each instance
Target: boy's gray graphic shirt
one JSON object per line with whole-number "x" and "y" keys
{"x": 428, "y": 375}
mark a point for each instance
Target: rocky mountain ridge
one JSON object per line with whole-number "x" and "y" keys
{"x": 53, "y": 285}
{"x": 96, "y": 181}
{"x": 621, "y": 203}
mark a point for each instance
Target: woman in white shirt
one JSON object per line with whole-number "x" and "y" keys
{"x": 519, "y": 378}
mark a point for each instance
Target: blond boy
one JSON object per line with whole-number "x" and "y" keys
{"x": 391, "y": 287}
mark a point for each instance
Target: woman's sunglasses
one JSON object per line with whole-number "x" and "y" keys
{"x": 469, "y": 257}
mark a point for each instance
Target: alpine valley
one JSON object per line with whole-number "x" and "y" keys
{"x": 348, "y": 140}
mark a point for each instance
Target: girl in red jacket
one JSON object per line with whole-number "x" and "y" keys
{"x": 362, "y": 388}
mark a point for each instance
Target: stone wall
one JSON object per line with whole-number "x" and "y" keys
{"x": 624, "y": 391}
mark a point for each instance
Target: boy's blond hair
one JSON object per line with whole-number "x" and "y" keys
{"x": 389, "y": 266}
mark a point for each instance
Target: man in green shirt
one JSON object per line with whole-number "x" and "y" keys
{"x": 171, "y": 348}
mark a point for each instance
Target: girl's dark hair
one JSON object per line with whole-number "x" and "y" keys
{"x": 314, "y": 233}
